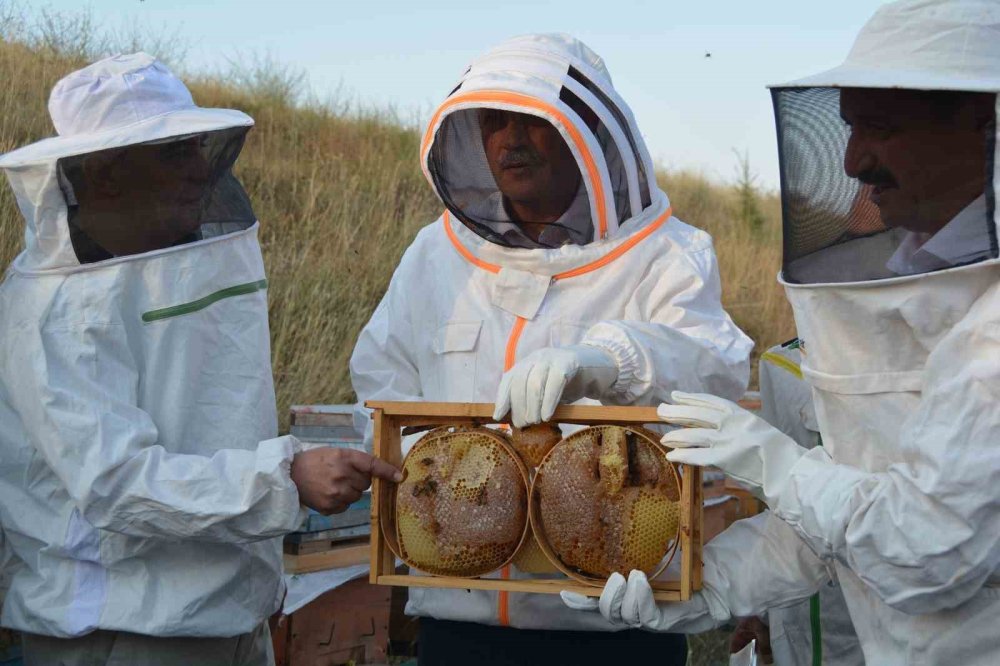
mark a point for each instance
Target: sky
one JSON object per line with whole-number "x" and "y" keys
{"x": 696, "y": 111}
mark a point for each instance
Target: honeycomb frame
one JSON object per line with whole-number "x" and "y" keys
{"x": 394, "y": 419}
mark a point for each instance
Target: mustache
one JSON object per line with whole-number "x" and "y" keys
{"x": 878, "y": 177}
{"x": 518, "y": 157}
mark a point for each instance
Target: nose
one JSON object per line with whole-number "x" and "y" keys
{"x": 858, "y": 158}
{"x": 515, "y": 130}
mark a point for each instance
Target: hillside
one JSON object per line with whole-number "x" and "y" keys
{"x": 340, "y": 196}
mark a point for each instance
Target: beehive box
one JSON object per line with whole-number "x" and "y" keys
{"x": 391, "y": 417}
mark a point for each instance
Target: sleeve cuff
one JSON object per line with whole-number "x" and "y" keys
{"x": 611, "y": 339}
{"x": 277, "y": 454}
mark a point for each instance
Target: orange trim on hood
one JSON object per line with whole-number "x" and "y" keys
{"x": 574, "y": 272}
{"x": 529, "y": 102}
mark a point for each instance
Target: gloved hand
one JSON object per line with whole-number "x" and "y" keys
{"x": 631, "y": 604}
{"x": 531, "y": 389}
{"x": 755, "y": 564}
{"x": 722, "y": 434}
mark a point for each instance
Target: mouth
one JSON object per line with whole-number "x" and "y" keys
{"x": 877, "y": 192}
{"x": 516, "y": 166}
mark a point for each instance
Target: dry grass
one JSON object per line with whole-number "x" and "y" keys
{"x": 340, "y": 196}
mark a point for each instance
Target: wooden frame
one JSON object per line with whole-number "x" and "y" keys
{"x": 391, "y": 417}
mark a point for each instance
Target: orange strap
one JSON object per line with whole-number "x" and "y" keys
{"x": 575, "y": 272}
{"x": 503, "y": 599}
{"x": 528, "y": 102}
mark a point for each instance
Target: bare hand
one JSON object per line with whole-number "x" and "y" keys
{"x": 330, "y": 479}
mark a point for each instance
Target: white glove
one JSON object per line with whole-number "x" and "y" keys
{"x": 631, "y": 604}
{"x": 755, "y": 564}
{"x": 722, "y": 434}
{"x": 533, "y": 388}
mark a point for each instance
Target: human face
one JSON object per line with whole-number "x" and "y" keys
{"x": 531, "y": 164}
{"x": 145, "y": 197}
{"x": 922, "y": 154}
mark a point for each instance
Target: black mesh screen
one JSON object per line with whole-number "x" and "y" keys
{"x": 144, "y": 197}
{"x": 873, "y": 198}
{"x": 462, "y": 176}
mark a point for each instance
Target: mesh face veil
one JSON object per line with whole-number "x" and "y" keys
{"x": 149, "y": 196}
{"x": 575, "y": 144}
{"x": 882, "y": 183}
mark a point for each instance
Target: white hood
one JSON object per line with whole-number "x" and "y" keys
{"x": 536, "y": 74}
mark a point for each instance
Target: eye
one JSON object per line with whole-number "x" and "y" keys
{"x": 492, "y": 119}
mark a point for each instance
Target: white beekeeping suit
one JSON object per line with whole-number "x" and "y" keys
{"x": 817, "y": 631}
{"x": 891, "y": 269}
{"x": 143, "y": 487}
{"x": 471, "y": 297}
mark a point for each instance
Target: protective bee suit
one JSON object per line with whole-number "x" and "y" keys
{"x": 817, "y": 631}
{"x": 470, "y": 297}
{"x": 143, "y": 487}
{"x": 902, "y": 353}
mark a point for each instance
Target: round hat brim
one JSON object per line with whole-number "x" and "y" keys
{"x": 194, "y": 120}
{"x": 846, "y": 76}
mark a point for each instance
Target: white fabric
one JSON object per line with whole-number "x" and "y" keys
{"x": 655, "y": 309}
{"x": 785, "y": 398}
{"x": 961, "y": 241}
{"x": 90, "y": 100}
{"x": 786, "y": 403}
{"x": 119, "y": 101}
{"x": 302, "y": 589}
{"x": 519, "y": 292}
{"x": 534, "y": 387}
{"x": 919, "y": 44}
{"x": 143, "y": 487}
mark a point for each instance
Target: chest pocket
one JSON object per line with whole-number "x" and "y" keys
{"x": 455, "y": 360}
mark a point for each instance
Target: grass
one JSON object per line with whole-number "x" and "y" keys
{"x": 340, "y": 196}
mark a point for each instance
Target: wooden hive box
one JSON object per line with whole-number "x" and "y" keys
{"x": 391, "y": 417}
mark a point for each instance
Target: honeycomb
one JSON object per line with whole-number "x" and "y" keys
{"x": 461, "y": 509}
{"x": 534, "y": 441}
{"x": 606, "y": 499}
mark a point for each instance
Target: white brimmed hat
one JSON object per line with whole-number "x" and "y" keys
{"x": 922, "y": 45}
{"x": 120, "y": 101}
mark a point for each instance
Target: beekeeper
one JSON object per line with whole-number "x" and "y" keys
{"x": 143, "y": 488}
{"x": 901, "y": 501}
{"x": 556, "y": 273}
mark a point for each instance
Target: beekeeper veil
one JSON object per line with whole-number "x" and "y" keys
{"x": 136, "y": 167}
{"x": 887, "y": 162}
{"x": 556, "y": 86}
